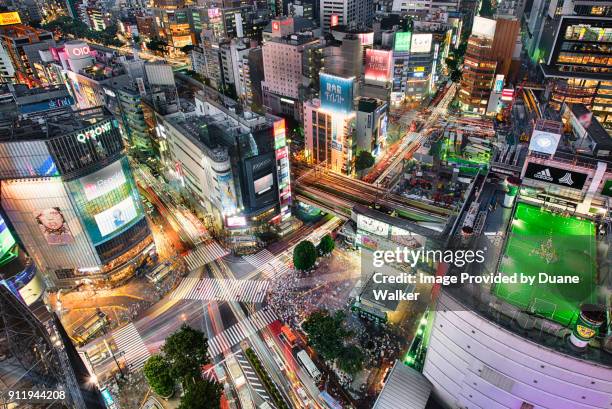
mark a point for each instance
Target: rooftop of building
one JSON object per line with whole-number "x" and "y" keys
{"x": 595, "y": 130}
{"x": 299, "y": 24}
{"x": 366, "y": 104}
{"x": 405, "y": 387}
{"x": 50, "y": 124}
{"x": 297, "y": 38}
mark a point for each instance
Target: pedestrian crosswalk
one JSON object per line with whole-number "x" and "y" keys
{"x": 233, "y": 335}
{"x": 271, "y": 266}
{"x": 204, "y": 254}
{"x": 131, "y": 346}
{"x": 251, "y": 376}
{"x": 221, "y": 289}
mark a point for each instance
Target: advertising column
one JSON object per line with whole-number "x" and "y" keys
{"x": 282, "y": 167}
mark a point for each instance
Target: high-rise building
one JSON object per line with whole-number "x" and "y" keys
{"x": 479, "y": 67}
{"x": 371, "y": 125}
{"x": 282, "y": 59}
{"x": 71, "y": 197}
{"x": 235, "y": 166}
{"x": 351, "y": 13}
{"x": 22, "y": 45}
{"x": 578, "y": 71}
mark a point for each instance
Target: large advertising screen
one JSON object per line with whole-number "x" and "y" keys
{"x": 107, "y": 201}
{"x": 421, "y": 43}
{"x": 555, "y": 175}
{"x": 402, "y": 41}
{"x": 263, "y": 184}
{"x": 607, "y": 188}
{"x": 336, "y": 93}
{"x": 53, "y": 226}
{"x": 378, "y": 65}
{"x": 116, "y": 217}
{"x": 7, "y": 241}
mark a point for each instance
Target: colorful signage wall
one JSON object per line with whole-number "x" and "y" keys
{"x": 46, "y": 105}
{"x": 378, "y": 65}
{"x": 556, "y": 176}
{"x": 7, "y": 242}
{"x": 107, "y": 201}
{"x": 336, "y": 93}
{"x": 282, "y": 166}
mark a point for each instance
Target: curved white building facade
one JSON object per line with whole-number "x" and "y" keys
{"x": 475, "y": 364}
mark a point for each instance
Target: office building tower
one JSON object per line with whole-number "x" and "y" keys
{"x": 351, "y": 13}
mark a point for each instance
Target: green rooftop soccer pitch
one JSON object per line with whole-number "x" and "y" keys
{"x": 556, "y": 245}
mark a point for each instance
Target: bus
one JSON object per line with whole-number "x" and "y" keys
{"x": 310, "y": 367}
{"x": 90, "y": 327}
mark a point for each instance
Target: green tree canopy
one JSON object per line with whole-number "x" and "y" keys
{"x": 326, "y": 333}
{"x": 186, "y": 49}
{"x": 326, "y": 245}
{"x": 364, "y": 160}
{"x": 157, "y": 44}
{"x": 304, "y": 255}
{"x": 186, "y": 351}
{"x": 351, "y": 359}
{"x": 157, "y": 372}
{"x": 201, "y": 394}
{"x": 68, "y": 27}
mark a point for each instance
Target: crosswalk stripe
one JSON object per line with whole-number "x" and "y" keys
{"x": 129, "y": 341}
{"x": 205, "y": 254}
{"x": 270, "y": 265}
{"x": 233, "y": 335}
{"x": 221, "y": 289}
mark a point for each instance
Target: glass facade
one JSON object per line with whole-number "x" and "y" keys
{"x": 78, "y": 151}
{"x": 107, "y": 201}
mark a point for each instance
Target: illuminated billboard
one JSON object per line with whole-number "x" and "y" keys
{"x": 378, "y": 65}
{"x": 366, "y": 38}
{"x": 116, "y": 217}
{"x": 544, "y": 142}
{"x": 499, "y": 83}
{"x": 373, "y": 226}
{"x": 107, "y": 201}
{"x": 336, "y": 93}
{"x": 7, "y": 242}
{"x": 264, "y": 184}
{"x": 53, "y": 226}
{"x": 227, "y": 192}
{"x": 421, "y": 43}
{"x": 402, "y": 41}
{"x": 11, "y": 17}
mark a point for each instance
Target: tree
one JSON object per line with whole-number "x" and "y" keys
{"x": 201, "y": 394}
{"x": 304, "y": 255}
{"x": 186, "y": 49}
{"x": 157, "y": 44}
{"x": 326, "y": 333}
{"x": 326, "y": 245}
{"x": 186, "y": 351}
{"x": 350, "y": 359}
{"x": 364, "y": 160}
{"x": 486, "y": 9}
{"x": 157, "y": 372}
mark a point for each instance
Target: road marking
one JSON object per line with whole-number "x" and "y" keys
{"x": 268, "y": 264}
{"x": 205, "y": 254}
{"x": 252, "y": 377}
{"x": 129, "y": 341}
{"x": 233, "y": 335}
{"x": 221, "y": 289}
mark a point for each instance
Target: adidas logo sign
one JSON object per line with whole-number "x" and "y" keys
{"x": 567, "y": 179}
{"x": 544, "y": 175}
